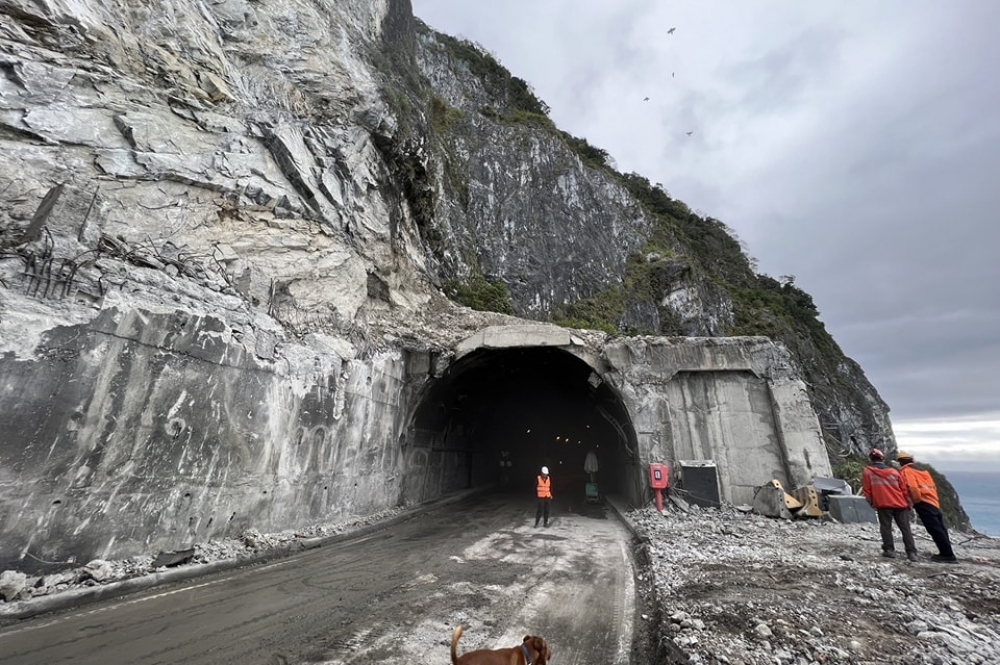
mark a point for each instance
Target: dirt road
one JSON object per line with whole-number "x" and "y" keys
{"x": 392, "y": 596}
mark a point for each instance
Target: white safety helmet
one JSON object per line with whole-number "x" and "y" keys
{"x": 545, "y": 470}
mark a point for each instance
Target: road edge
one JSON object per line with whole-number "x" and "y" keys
{"x": 73, "y": 598}
{"x": 662, "y": 649}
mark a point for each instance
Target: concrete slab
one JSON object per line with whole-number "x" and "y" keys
{"x": 851, "y": 510}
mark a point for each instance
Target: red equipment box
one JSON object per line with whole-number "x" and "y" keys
{"x": 659, "y": 476}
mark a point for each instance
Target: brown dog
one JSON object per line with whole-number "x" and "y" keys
{"x": 533, "y": 651}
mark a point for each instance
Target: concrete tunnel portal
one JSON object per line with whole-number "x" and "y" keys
{"x": 540, "y": 405}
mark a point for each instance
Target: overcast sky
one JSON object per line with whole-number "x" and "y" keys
{"x": 853, "y": 144}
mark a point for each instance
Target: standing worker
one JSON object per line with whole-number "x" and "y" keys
{"x": 543, "y": 489}
{"x": 505, "y": 465}
{"x": 924, "y": 494}
{"x": 590, "y": 465}
{"x": 886, "y": 492}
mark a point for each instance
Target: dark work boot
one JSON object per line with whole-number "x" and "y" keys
{"x": 940, "y": 558}
{"x": 888, "y": 554}
{"x": 912, "y": 556}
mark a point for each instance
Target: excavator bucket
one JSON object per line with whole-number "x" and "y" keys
{"x": 772, "y": 500}
{"x": 808, "y": 498}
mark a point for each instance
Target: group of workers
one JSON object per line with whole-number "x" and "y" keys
{"x": 893, "y": 493}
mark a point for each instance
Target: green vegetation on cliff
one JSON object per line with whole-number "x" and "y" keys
{"x": 599, "y": 312}
{"x": 499, "y": 82}
{"x": 480, "y": 294}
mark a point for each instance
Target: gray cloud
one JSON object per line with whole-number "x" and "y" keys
{"x": 853, "y": 145}
{"x": 782, "y": 75}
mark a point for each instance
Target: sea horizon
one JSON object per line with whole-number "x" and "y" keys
{"x": 979, "y": 494}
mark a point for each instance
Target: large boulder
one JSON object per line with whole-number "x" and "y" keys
{"x": 11, "y": 584}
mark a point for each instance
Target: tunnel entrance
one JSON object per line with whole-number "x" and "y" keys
{"x": 531, "y": 406}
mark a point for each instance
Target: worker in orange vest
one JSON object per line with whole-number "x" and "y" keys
{"x": 923, "y": 493}
{"x": 543, "y": 489}
{"x": 886, "y": 492}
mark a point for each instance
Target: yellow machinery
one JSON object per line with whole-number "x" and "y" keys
{"x": 772, "y": 500}
{"x": 808, "y": 499}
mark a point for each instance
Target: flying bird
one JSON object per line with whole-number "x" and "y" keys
{"x": 689, "y": 133}
{"x": 671, "y": 31}
{"x": 646, "y": 99}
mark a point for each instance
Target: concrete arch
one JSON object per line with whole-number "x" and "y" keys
{"x": 530, "y": 395}
{"x": 546, "y": 395}
{"x": 530, "y": 336}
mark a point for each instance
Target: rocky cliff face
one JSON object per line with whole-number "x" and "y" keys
{"x": 197, "y": 226}
{"x": 521, "y": 203}
{"x": 231, "y": 227}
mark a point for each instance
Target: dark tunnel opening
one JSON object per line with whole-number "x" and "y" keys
{"x": 540, "y": 406}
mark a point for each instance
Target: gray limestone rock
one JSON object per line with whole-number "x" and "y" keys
{"x": 57, "y": 579}
{"x": 98, "y": 570}
{"x": 239, "y": 287}
{"x": 11, "y": 584}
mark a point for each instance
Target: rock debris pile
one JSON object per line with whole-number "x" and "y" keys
{"x": 16, "y": 586}
{"x": 742, "y": 589}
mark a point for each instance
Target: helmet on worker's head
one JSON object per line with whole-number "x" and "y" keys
{"x": 876, "y": 455}
{"x": 545, "y": 470}
{"x": 903, "y": 457}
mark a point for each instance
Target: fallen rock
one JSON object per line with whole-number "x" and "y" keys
{"x": 11, "y": 584}
{"x": 98, "y": 570}
{"x": 55, "y": 579}
{"x": 173, "y": 558}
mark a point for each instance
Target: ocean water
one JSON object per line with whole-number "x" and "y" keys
{"x": 979, "y": 493}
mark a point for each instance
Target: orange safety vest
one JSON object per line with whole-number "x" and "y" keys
{"x": 544, "y": 487}
{"x": 884, "y": 487}
{"x": 921, "y": 485}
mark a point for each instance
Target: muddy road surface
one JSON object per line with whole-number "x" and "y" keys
{"x": 390, "y": 596}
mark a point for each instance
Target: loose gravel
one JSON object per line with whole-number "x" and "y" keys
{"x": 737, "y": 588}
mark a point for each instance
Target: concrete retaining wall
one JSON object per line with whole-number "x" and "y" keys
{"x": 734, "y": 401}
{"x": 139, "y": 431}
